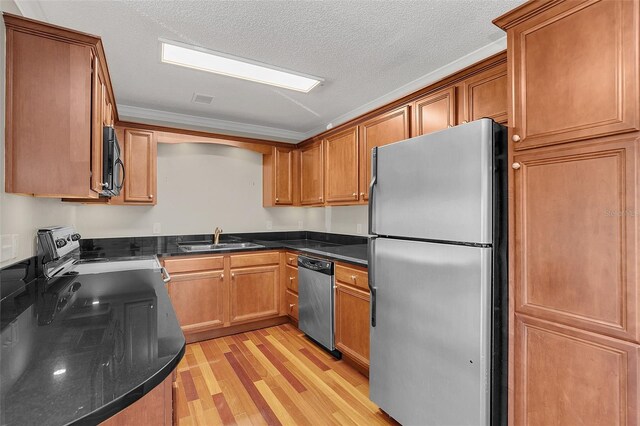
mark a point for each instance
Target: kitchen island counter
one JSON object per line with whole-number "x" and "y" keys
{"x": 81, "y": 348}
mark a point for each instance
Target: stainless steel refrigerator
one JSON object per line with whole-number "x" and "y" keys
{"x": 437, "y": 276}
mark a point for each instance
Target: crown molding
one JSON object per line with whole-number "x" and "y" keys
{"x": 31, "y": 9}
{"x": 133, "y": 113}
{"x": 419, "y": 83}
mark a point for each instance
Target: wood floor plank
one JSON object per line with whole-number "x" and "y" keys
{"x": 226, "y": 416}
{"x": 270, "y": 377}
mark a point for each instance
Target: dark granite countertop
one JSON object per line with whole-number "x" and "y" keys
{"x": 346, "y": 248}
{"x": 78, "y": 349}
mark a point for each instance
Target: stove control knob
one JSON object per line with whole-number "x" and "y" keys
{"x": 75, "y": 237}
{"x": 61, "y": 242}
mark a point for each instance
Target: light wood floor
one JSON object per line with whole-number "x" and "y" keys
{"x": 271, "y": 377}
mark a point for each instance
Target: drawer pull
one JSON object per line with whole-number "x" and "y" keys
{"x": 515, "y": 166}
{"x": 515, "y": 138}
{"x": 353, "y": 277}
{"x": 291, "y": 278}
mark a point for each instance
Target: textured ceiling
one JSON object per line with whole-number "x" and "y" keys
{"x": 363, "y": 50}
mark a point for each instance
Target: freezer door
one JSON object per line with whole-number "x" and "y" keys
{"x": 430, "y": 347}
{"x": 436, "y": 187}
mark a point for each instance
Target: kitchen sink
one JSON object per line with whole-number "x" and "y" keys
{"x": 194, "y": 247}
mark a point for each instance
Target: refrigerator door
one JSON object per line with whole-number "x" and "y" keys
{"x": 430, "y": 347}
{"x": 435, "y": 187}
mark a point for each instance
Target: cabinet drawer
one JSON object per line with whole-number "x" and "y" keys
{"x": 292, "y": 304}
{"x": 291, "y": 259}
{"x": 352, "y": 276}
{"x": 188, "y": 264}
{"x": 291, "y": 278}
{"x": 254, "y": 259}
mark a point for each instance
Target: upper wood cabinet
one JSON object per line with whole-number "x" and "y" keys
{"x": 341, "y": 167}
{"x": 575, "y": 71}
{"x": 383, "y": 129}
{"x": 434, "y": 112}
{"x": 485, "y": 95}
{"x": 279, "y": 177}
{"x": 140, "y": 164}
{"x": 311, "y": 174}
{"x": 52, "y": 79}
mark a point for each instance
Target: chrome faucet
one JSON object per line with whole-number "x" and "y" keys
{"x": 216, "y": 235}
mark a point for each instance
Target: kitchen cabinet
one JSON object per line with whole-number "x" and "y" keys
{"x": 574, "y": 69}
{"x": 198, "y": 299}
{"x": 140, "y": 163}
{"x": 255, "y": 287}
{"x": 155, "y": 408}
{"x": 290, "y": 284}
{"x": 485, "y": 95}
{"x": 341, "y": 167}
{"x": 197, "y": 290}
{"x": 352, "y": 314}
{"x": 576, "y": 236}
{"x": 383, "y": 129}
{"x": 312, "y": 174}
{"x": 434, "y": 112}
{"x": 280, "y": 177}
{"x": 52, "y": 75}
{"x": 573, "y": 243}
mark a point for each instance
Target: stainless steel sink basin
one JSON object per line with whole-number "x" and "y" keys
{"x": 191, "y": 247}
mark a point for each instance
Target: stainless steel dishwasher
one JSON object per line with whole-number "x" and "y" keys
{"x": 315, "y": 300}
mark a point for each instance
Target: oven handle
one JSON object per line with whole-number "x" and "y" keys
{"x": 119, "y": 162}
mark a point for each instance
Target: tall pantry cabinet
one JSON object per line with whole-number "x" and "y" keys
{"x": 574, "y": 188}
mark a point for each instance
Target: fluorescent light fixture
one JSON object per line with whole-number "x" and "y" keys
{"x": 95, "y": 302}
{"x": 221, "y": 63}
{"x": 59, "y": 372}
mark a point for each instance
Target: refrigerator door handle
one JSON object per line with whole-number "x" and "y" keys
{"x": 370, "y": 281}
{"x": 374, "y": 179}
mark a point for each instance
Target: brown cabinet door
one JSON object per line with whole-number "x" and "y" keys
{"x": 378, "y": 131}
{"x": 311, "y": 174}
{"x": 575, "y": 70}
{"x": 567, "y": 377}
{"x": 341, "y": 167}
{"x": 576, "y": 235}
{"x": 97, "y": 93}
{"x": 352, "y": 323}
{"x": 48, "y": 116}
{"x": 198, "y": 299}
{"x": 485, "y": 95}
{"x": 140, "y": 159}
{"x": 434, "y": 112}
{"x": 254, "y": 293}
{"x": 283, "y": 174}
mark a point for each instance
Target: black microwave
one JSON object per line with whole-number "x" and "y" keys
{"x": 112, "y": 166}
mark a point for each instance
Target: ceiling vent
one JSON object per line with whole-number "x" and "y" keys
{"x": 199, "y": 98}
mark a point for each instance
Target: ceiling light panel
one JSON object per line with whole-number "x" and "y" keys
{"x": 219, "y": 63}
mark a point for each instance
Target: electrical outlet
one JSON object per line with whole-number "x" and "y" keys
{"x": 269, "y": 225}
{"x": 8, "y": 247}
{"x": 156, "y": 228}
{"x": 300, "y": 225}
{"x": 359, "y": 228}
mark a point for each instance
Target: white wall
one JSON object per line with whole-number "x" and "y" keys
{"x": 200, "y": 186}
{"x": 19, "y": 215}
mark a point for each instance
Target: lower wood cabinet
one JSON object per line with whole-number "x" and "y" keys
{"x": 198, "y": 299}
{"x": 352, "y": 315}
{"x": 568, "y": 377}
{"x": 211, "y": 294}
{"x": 155, "y": 408}
{"x": 254, "y": 293}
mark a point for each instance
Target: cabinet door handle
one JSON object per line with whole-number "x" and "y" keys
{"x": 464, "y": 121}
{"x": 151, "y": 196}
{"x": 277, "y": 199}
{"x": 515, "y": 138}
{"x": 362, "y": 194}
{"x": 233, "y": 276}
{"x": 353, "y": 277}
{"x": 335, "y": 287}
{"x": 222, "y": 276}
{"x": 355, "y": 194}
{"x": 291, "y": 259}
{"x": 291, "y": 305}
{"x": 291, "y": 278}
{"x": 320, "y": 198}
{"x": 515, "y": 166}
